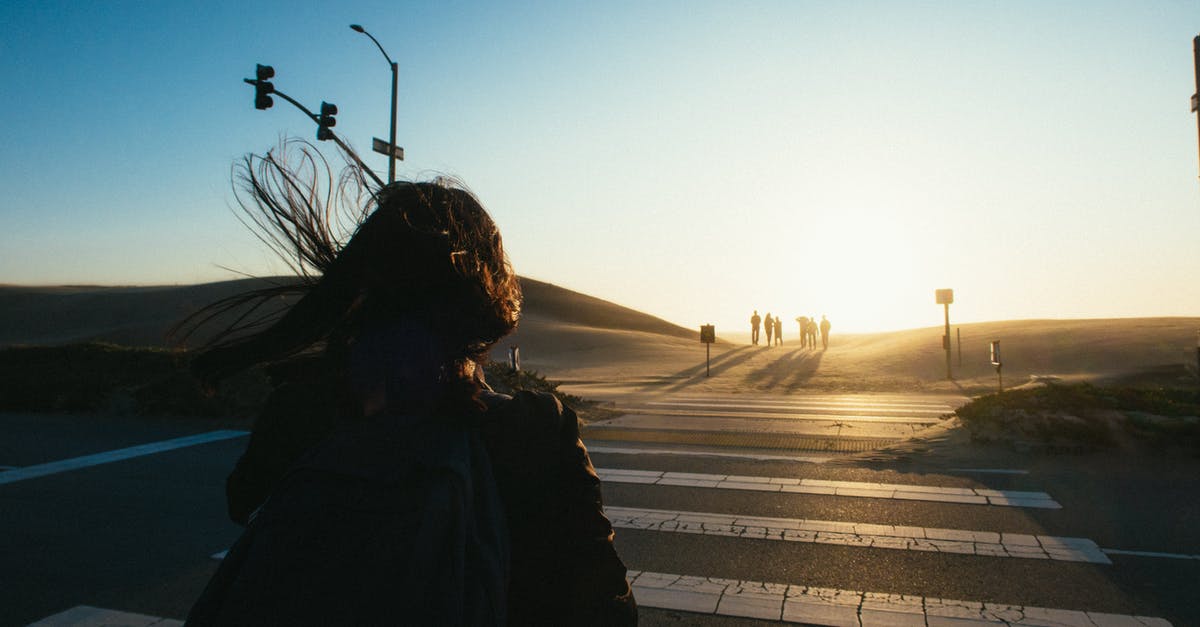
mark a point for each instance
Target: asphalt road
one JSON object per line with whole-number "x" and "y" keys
{"x": 137, "y": 535}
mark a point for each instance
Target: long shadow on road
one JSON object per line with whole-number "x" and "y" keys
{"x": 717, "y": 365}
{"x": 788, "y": 371}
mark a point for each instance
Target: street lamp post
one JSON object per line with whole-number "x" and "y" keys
{"x": 392, "y": 151}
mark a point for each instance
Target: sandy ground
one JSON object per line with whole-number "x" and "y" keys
{"x": 593, "y": 345}
{"x": 905, "y": 361}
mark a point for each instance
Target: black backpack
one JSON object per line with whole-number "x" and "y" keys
{"x": 390, "y": 521}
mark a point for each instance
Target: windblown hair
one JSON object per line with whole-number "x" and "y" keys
{"x": 424, "y": 253}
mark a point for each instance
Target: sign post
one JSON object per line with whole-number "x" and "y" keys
{"x": 945, "y": 297}
{"x": 708, "y": 335}
{"x": 996, "y": 362}
{"x": 1196, "y": 96}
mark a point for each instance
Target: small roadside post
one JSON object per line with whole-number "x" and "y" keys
{"x": 996, "y": 362}
{"x": 945, "y": 297}
{"x": 708, "y": 335}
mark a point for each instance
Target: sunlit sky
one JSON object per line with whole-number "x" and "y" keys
{"x": 694, "y": 160}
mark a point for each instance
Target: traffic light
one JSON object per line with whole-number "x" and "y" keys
{"x": 326, "y": 121}
{"x": 263, "y": 87}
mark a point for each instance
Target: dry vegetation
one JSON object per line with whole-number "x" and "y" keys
{"x": 1081, "y": 417}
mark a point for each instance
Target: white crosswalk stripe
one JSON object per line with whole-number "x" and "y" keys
{"x": 808, "y": 459}
{"x": 813, "y": 605}
{"x": 819, "y": 416}
{"x": 972, "y": 496}
{"x": 852, "y": 409}
{"x": 777, "y": 415}
{"x": 866, "y": 535}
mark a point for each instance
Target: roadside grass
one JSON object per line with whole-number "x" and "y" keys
{"x": 1084, "y": 416}
{"x": 102, "y": 377}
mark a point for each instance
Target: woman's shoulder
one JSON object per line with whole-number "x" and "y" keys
{"x": 529, "y": 415}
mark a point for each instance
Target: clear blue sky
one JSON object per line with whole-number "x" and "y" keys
{"x": 694, "y": 160}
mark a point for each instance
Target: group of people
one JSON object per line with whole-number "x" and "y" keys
{"x": 773, "y": 326}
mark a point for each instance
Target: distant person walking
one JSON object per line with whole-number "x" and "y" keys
{"x": 825, "y": 332}
{"x": 769, "y": 324}
{"x": 754, "y": 322}
{"x": 812, "y": 332}
{"x": 779, "y": 330}
{"x": 803, "y": 321}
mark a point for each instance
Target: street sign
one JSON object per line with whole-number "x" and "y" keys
{"x": 945, "y": 297}
{"x": 708, "y": 335}
{"x": 995, "y": 352}
{"x": 386, "y": 149}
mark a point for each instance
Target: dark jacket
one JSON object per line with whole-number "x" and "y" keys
{"x": 560, "y": 566}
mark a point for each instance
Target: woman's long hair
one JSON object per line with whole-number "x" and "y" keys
{"x": 423, "y": 256}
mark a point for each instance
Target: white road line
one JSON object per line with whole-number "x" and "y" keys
{"x": 667, "y": 451}
{"x": 796, "y": 603}
{"x": 864, "y": 535}
{"x": 75, "y": 463}
{"x": 1177, "y": 556}
{"x": 791, "y": 603}
{"x": 992, "y": 471}
{"x": 647, "y": 411}
{"x": 972, "y": 496}
{"x": 88, "y": 616}
{"x": 883, "y": 408}
{"x": 862, "y": 399}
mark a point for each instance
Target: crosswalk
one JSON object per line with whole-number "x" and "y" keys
{"x": 807, "y": 421}
{"x": 666, "y": 504}
{"x": 792, "y": 602}
{"x": 796, "y": 601}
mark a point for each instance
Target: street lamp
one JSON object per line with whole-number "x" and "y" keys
{"x": 391, "y": 150}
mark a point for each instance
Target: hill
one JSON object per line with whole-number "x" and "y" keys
{"x": 141, "y": 316}
{"x": 599, "y": 348}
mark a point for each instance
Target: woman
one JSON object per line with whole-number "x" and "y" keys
{"x": 384, "y": 482}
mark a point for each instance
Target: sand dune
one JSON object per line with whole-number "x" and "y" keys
{"x": 591, "y": 343}
{"x": 141, "y": 316}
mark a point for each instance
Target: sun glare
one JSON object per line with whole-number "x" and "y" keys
{"x": 864, "y": 265}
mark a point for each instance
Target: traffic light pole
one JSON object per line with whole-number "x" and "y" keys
{"x": 317, "y": 119}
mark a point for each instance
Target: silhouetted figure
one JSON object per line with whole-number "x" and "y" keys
{"x": 824, "y": 332}
{"x": 812, "y": 332}
{"x": 754, "y": 322}
{"x": 779, "y": 330}
{"x": 385, "y": 482}
{"x": 769, "y": 327}
{"x": 803, "y": 322}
